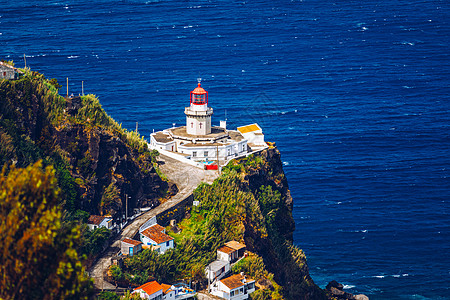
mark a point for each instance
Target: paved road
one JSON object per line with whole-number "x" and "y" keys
{"x": 186, "y": 177}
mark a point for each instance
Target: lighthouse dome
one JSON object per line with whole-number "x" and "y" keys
{"x": 199, "y": 90}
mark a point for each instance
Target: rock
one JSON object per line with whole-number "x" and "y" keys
{"x": 336, "y": 290}
{"x": 334, "y": 284}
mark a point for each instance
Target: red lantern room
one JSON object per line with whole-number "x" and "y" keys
{"x": 199, "y": 96}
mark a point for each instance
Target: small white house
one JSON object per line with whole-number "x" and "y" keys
{"x": 151, "y": 290}
{"x": 95, "y": 222}
{"x": 8, "y": 72}
{"x": 254, "y": 135}
{"x": 156, "y": 236}
{"x": 161, "y": 140}
{"x": 226, "y": 253}
{"x": 235, "y": 287}
{"x": 130, "y": 247}
{"x": 231, "y": 252}
{"x": 217, "y": 269}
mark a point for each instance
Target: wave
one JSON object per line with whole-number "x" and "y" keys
{"x": 393, "y": 276}
{"x": 348, "y": 286}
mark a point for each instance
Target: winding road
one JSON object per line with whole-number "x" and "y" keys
{"x": 186, "y": 177}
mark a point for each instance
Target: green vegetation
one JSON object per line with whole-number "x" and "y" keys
{"x": 94, "y": 240}
{"x": 230, "y": 209}
{"x": 108, "y": 296}
{"x": 33, "y": 235}
{"x": 37, "y": 123}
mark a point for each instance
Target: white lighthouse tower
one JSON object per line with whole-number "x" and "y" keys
{"x": 198, "y": 114}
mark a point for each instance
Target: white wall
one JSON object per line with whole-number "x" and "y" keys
{"x": 163, "y": 246}
{"x": 223, "y": 256}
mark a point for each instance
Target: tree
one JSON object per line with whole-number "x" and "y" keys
{"x": 38, "y": 258}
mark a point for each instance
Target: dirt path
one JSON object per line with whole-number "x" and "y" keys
{"x": 186, "y": 177}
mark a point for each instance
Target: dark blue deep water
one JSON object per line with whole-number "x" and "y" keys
{"x": 354, "y": 93}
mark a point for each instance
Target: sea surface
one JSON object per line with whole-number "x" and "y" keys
{"x": 354, "y": 93}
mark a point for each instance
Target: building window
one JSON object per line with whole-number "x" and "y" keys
{"x": 232, "y": 294}
{"x": 206, "y": 153}
{"x": 192, "y": 124}
{"x": 194, "y": 153}
{"x": 167, "y": 244}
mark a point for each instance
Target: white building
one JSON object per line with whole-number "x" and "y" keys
{"x": 130, "y": 247}
{"x": 254, "y": 135}
{"x": 217, "y": 269}
{"x": 231, "y": 252}
{"x": 151, "y": 290}
{"x": 156, "y": 236}
{"x": 95, "y": 222}
{"x": 199, "y": 140}
{"x": 168, "y": 292}
{"x": 235, "y": 287}
{"x": 8, "y": 72}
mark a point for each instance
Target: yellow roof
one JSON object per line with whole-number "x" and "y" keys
{"x": 248, "y": 128}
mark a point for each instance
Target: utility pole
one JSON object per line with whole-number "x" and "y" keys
{"x": 67, "y": 80}
{"x": 218, "y": 165}
{"x": 136, "y": 127}
{"x": 25, "y": 59}
{"x": 209, "y": 279}
{"x": 82, "y": 88}
{"x": 103, "y": 278}
{"x": 126, "y": 207}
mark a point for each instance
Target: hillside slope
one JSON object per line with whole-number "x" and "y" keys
{"x": 97, "y": 161}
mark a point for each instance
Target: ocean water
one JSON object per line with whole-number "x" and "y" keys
{"x": 354, "y": 93}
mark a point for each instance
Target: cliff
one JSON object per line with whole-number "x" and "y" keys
{"x": 250, "y": 202}
{"x": 97, "y": 161}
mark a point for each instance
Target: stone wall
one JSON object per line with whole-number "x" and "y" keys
{"x": 177, "y": 212}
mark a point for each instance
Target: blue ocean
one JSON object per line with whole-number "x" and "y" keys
{"x": 354, "y": 93}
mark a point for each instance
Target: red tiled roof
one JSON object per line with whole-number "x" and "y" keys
{"x": 132, "y": 242}
{"x": 150, "y": 287}
{"x": 226, "y": 249}
{"x": 158, "y": 227}
{"x": 96, "y": 220}
{"x": 156, "y": 235}
{"x": 233, "y": 281}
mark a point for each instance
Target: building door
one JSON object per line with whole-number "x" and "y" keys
{"x": 131, "y": 251}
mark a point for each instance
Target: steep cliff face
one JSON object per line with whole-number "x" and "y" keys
{"x": 285, "y": 261}
{"x": 97, "y": 162}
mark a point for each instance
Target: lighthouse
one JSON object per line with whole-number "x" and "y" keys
{"x": 198, "y": 114}
{"x": 198, "y": 141}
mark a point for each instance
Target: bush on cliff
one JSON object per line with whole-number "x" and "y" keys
{"x": 37, "y": 123}
{"x": 244, "y": 204}
{"x": 39, "y": 258}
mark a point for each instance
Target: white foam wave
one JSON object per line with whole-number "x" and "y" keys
{"x": 73, "y": 56}
{"x": 379, "y": 276}
{"x": 348, "y": 286}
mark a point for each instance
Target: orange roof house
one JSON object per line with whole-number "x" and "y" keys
{"x": 130, "y": 247}
{"x": 234, "y": 287}
{"x": 231, "y": 251}
{"x": 155, "y": 235}
{"x": 149, "y": 290}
